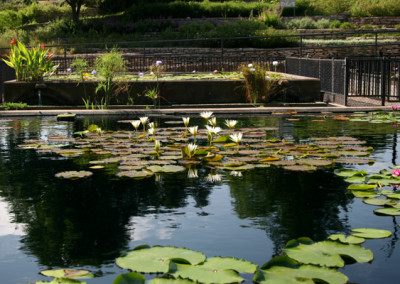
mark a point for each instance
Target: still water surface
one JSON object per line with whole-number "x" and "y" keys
{"x": 48, "y": 223}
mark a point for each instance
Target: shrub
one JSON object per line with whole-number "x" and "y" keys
{"x": 14, "y": 106}
{"x": 329, "y": 7}
{"x": 375, "y": 8}
{"x": 322, "y": 24}
{"x": 347, "y": 26}
{"x": 335, "y": 24}
{"x": 397, "y": 27}
{"x": 303, "y": 23}
{"x": 368, "y": 27}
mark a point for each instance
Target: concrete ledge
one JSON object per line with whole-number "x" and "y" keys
{"x": 298, "y": 89}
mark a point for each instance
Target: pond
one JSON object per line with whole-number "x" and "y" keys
{"x": 48, "y": 222}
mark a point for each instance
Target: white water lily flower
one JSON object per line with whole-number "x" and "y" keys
{"x": 206, "y": 115}
{"x": 193, "y": 130}
{"x": 143, "y": 120}
{"x": 98, "y": 130}
{"x": 135, "y": 124}
{"x": 192, "y": 147}
{"x": 157, "y": 145}
{"x": 275, "y": 63}
{"x": 213, "y": 130}
{"x": 230, "y": 123}
{"x": 236, "y": 137}
{"x": 151, "y": 125}
{"x": 250, "y": 65}
{"x": 186, "y": 121}
{"x": 151, "y": 131}
{"x": 213, "y": 121}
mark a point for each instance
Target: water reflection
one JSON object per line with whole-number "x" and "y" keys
{"x": 91, "y": 222}
{"x": 290, "y": 205}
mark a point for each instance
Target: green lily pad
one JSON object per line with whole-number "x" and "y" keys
{"x": 202, "y": 274}
{"x": 282, "y": 269}
{"x": 300, "y": 168}
{"x": 135, "y": 174}
{"x": 355, "y": 179}
{"x": 169, "y": 281}
{"x": 221, "y": 263}
{"x": 346, "y": 240}
{"x": 369, "y": 233}
{"x": 67, "y": 273}
{"x": 377, "y": 201}
{"x": 74, "y": 174}
{"x": 61, "y": 281}
{"x": 130, "y": 278}
{"x": 326, "y": 253}
{"x": 349, "y": 172}
{"x": 157, "y": 259}
{"x": 388, "y": 211}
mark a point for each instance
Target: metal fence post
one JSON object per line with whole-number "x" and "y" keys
{"x": 222, "y": 53}
{"x": 346, "y": 80}
{"x": 301, "y": 46}
{"x": 376, "y": 44}
{"x": 383, "y": 81}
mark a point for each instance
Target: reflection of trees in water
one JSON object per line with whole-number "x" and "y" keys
{"x": 290, "y": 205}
{"x": 82, "y": 222}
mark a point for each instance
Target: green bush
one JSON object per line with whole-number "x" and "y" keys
{"x": 303, "y": 23}
{"x": 347, "y": 26}
{"x": 375, "y": 8}
{"x": 368, "y": 27}
{"x": 14, "y": 106}
{"x": 335, "y": 24}
{"x": 397, "y": 27}
{"x": 322, "y": 24}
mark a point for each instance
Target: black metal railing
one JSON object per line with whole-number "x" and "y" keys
{"x": 373, "y": 78}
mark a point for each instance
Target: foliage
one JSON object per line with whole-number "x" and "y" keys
{"x": 335, "y": 24}
{"x": 347, "y": 26}
{"x": 375, "y": 8}
{"x": 80, "y": 66}
{"x": 260, "y": 85}
{"x": 30, "y": 64}
{"x": 271, "y": 16}
{"x": 303, "y": 23}
{"x": 108, "y": 66}
{"x": 14, "y": 106}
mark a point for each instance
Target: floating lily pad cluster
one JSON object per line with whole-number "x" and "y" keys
{"x": 141, "y": 153}
{"x": 304, "y": 259}
{"x": 379, "y": 189}
{"x": 392, "y": 117}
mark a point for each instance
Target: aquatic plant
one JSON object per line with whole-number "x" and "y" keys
{"x": 143, "y": 120}
{"x": 237, "y": 138}
{"x": 30, "y": 64}
{"x": 206, "y": 115}
{"x": 230, "y": 123}
{"x": 108, "y": 66}
{"x": 261, "y": 86}
{"x": 193, "y": 130}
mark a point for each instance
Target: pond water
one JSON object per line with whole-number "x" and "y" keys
{"x": 49, "y": 223}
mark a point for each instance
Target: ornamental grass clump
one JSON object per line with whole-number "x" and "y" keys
{"x": 260, "y": 84}
{"x": 30, "y": 64}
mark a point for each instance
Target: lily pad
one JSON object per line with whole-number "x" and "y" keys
{"x": 74, "y": 174}
{"x": 346, "y": 240}
{"x": 67, "y": 273}
{"x": 202, "y": 274}
{"x": 61, "y": 281}
{"x": 130, "y": 278}
{"x": 388, "y": 211}
{"x": 326, "y": 253}
{"x": 221, "y": 263}
{"x": 369, "y": 233}
{"x": 282, "y": 269}
{"x": 157, "y": 259}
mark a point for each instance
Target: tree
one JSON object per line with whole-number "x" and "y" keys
{"x": 76, "y": 8}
